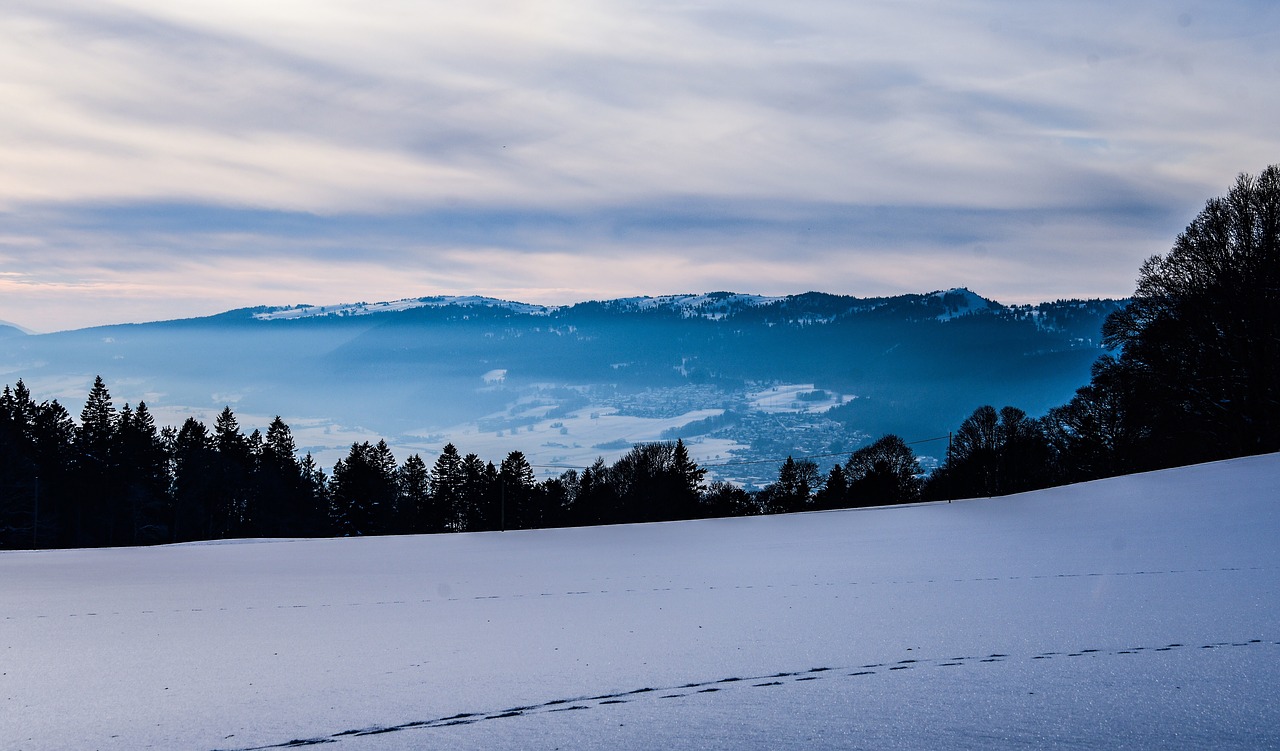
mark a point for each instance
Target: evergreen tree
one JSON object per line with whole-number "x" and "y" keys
{"x": 144, "y": 464}
{"x": 834, "y": 492}
{"x": 413, "y": 482}
{"x": 387, "y": 510}
{"x": 232, "y": 470}
{"x": 104, "y": 518}
{"x": 53, "y": 445}
{"x": 595, "y": 497}
{"x": 517, "y": 485}
{"x": 315, "y": 500}
{"x": 98, "y": 422}
{"x": 363, "y": 490}
{"x": 557, "y": 496}
{"x": 479, "y": 497}
{"x": 448, "y": 486}
{"x": 282, "y": 505}
{"x": 794, "y": 488}
{"x": 686, "y": 479}
{"x": 18, "y": 472}
{"x": 194, "y": 502}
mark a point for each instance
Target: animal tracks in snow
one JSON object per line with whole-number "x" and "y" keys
{"x": 722, "y": 686}
{"x": 580, "y": 592}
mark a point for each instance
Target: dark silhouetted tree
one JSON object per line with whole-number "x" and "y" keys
{"x": 595, "y": 500}
{"x": 446, "y": 512}
{"x": 194, "y": 475}
{"x": 794, "y": 489}
{"x": 479, "y": 495}
{"x": 232, "y": 472}
{"x": 1200, "y": 341}
{"x": 413, "y": 485}
{"x": 105, "y": 519}
{"x": 145, "y": 476}
{"x": 835, "y": 490}
{"x": 884, "y": 472}
{"x": 363, "y": 490}
{"x": 519, "y": 497}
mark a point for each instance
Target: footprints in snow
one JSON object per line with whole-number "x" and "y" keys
{"x": 724, "y": 684}
{"x": 579, "y": 593}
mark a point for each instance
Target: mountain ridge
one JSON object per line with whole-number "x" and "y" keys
{"x": 739, "y": 376}
{"x": 712, "y": 305}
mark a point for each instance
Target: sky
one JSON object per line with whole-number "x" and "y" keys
{"x": 164, "y": 160}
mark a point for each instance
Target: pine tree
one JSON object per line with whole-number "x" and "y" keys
{"x": 194, "y": 457}
{"x": 479, "y": 497}
{"x": 413, "y": 482}
{"x": 144, "y": 465}
{"x": 794, "y": 488}
{"x": 448, "y": 481}
{"x": 282, "y": 503}
{"x": 315, "y": 500}
{"x": 53, "y": 442}
{"x": 103, "y": 518}
{"x": 363, "y": 490}
{"x": 595, "y": 498}
{"x": 834, "y": 491}
{"x": 18, "y": 502}
{"x": 688, "y": 486}
{"x": 517, "y": 485}
{"x": 233, "y": 468}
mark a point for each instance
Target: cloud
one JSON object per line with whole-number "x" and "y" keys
{"x": 747, "y": 142}
{"x": 165, "y": 261}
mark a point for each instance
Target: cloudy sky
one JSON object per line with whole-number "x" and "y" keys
{"x": 161, "y": 159}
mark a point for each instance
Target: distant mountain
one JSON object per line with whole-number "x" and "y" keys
{"x": 710, "y": 305}
{"x": 740, "y": 377}
{"x": 364, "y": 308}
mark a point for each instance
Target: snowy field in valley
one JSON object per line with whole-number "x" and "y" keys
{"x": 1138, "y": 612}
{"x": 574, "y": 440}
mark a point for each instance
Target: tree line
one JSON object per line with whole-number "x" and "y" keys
{"x": 114, "y": 478}
{"x": 1194, "y": 376}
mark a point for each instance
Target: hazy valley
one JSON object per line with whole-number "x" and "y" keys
{"x": 739, "y": 377}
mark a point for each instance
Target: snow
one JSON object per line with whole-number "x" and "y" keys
{"x": 710, "y": 305}
{"x": 964, "y": 302}
{"x": 366, "y": 308}
{"x": 1137, "y": 612}
{"x": 576, "y": 439}
{"x": 795, "y": 399}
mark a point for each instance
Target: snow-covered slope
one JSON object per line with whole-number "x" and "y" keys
{"x": 960, "y": 302}
{"x": 367, "y": 308}
{"x": 713, "y": 305}
{"x": 1138, "y": 612}
{"x": 710, "y": 305}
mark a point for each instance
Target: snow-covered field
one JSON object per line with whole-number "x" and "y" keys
{"x": 573, "y": 440}
{"x": 1139, "y": 612}
{"x": 794, "y": 398}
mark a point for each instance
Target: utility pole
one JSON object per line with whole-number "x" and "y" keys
{"x": 502, "y": 505}
{"x": 950, "y": 480}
